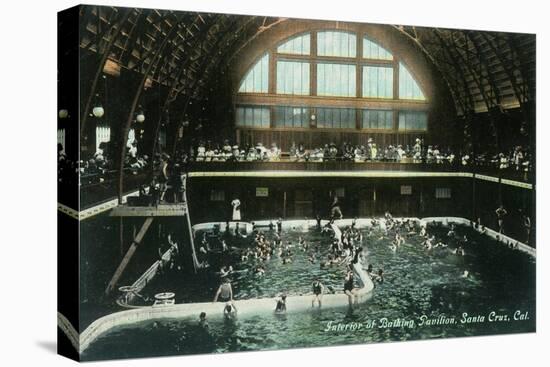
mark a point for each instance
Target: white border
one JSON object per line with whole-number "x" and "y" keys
{"x": 29, "y": 187}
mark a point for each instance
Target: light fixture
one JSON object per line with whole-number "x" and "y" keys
{"x": 185, "y": 123}
{"x": 313, "y": 117}
{"x": 63, "y": 113}
{"x": 140, "y": 117}
{"x": 98, "y": 111}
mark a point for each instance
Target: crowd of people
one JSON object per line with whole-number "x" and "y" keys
{"x": 344, "y": 251}
{"x": 517, "y": 158}
{"x": 97, "y": 168}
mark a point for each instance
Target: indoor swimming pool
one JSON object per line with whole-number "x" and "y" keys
{"x": 426, "y": 293}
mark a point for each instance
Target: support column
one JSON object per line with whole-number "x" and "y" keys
{"x": 129, "y": 254}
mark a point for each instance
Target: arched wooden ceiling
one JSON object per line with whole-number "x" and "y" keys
{"x": 483, "y": 70}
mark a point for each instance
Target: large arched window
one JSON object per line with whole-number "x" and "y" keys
{"x": 257, "y": 78}
{"x": 331, "y": 79}
{"x": 298, "y": 45}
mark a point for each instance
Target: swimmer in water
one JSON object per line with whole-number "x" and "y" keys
{"x": 459, "y": 251}
{"x": 370, "y": 270}
{"x": 281, "y": 304}
{"x": 224, "y": 292}
{"x": 230, "y": 311}
{"x": 259, "y": 271}
{"x": 317, "y": 287}
{"x": 423, "y": 231}
{"x": 393, "y": 247}
{"x": 202, "y": 320}
{"x": 349, "y": 289}
{"x": 225, "y": 271}
{"x": 380, "y": 276}
{"x": 465, "y": 274}
{"x": 428, "y": 244}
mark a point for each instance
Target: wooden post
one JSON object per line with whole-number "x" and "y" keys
{"x": 474, "y": 211}
{"x": 284, "y": 204}
{"x": 189, "y": 228}
{"x": 129, "y": 255}
{"x": 121, "y": 235}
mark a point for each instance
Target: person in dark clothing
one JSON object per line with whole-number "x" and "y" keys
{"x": 317, "y": 288}
{"x": 349, "y": 288}
{"x": 281, "y": 304}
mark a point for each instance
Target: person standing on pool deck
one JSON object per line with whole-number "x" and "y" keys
{"x": 349, "y": 290}
{"x": 527, "y": 225}
{"x": 281, "y": 304}
{"x": 225, "y": 292}
{"x": 318, "y": 289}
{"x": 335, "y": 211}
{"x": 318, "y": 219}
{"x": 236, "y": 204}
{"x": 279, "y": 225}
{"x": 501, "y": 213}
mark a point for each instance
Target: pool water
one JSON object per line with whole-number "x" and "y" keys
{"x": 419, "y": 285}
{"x": 294, "y": 278}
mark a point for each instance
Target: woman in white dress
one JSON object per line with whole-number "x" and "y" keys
{"x": 236, "y": 204}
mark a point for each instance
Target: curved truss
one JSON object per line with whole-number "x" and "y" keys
{"x": 187, "y": 51}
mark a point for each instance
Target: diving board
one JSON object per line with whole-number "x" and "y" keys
{"x": 162, "y": 210}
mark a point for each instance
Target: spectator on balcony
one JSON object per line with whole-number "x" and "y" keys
{"x": 317, "y": 155}
{"x": 417, "y": 151}
{"x": 518, "y": 158}
{"x": 132, "y": 149}
{"x": 326, "y": 151}
{"x": 503, "y": 161}
{"x": 233, "y": 155}
{"x": 274, "y": 154}
{"x": 465, "y": 159}
{"x": 437, "y": 154}
{"x": 332, "y": 152}
{"x": 400, "y": 153}
{"x": 226, "y": 147}
{"x": 252, "y": 155}
{"x": 347, "y": 152}
{"x": 301, "y": 154}
{"x": 373, "y": 152}
{"x": 261, "y": 150}
{"x": 292, "y": 152}
{"x": 201, "y": 152}
{"x": 208, "y": 155}
{"x": 359, "y": 154}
